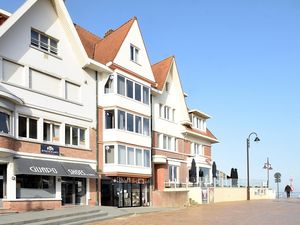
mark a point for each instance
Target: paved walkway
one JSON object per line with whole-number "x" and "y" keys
{"x": 259, "y": 212}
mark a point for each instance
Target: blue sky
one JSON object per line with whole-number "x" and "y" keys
{"x": 239, "y": 61}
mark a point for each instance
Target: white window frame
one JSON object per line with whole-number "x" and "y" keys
{"x": 197, "y": 149}
{"x": 27, "y": 127}
{"x": 172, "y": 178}
{"x": 37, "y": 43}
{"x": 10, "y": 132}
{"x": 134, "y": 53}
{"x": 167, "y": 142}
{"x": 78, "y": 136}
{"x": 52, "y": 124}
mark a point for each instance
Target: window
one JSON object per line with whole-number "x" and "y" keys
{"x": 198, "y": 149}
{"x": 134, "y": 54}
{"x": 138, "y": 124}
{"x": 130, "y": 156}
{"x": 168, "y": 142}
{"x": 146, "y": 158}
{"x": 199, "y": 123}
{"x": 121, "y": 154}
{"x": 167, "y": 86}
{"x": 109, "y": 86}
{"x": 146, "y": 95}
{"x": 121, "y": 85}
{"x": 167, "y": 112}
{"x": 121, "y": 120}
{"x": 51, "y": 132}
{"x": 109, "y": 119}
{"x": 137, "y": 92}
{"x": 129, "y": 122}
{"x": 129, "y": 88}
{"x": 138, "y": 157}
{"x": 109, "y": 153}
{"x": 27, "y": 127}
{"x": 72, "y": 91}
{"x": 74, "y": 136}
{"x": 44, "y": 42}
{"x": 44, "y": 83}
{"x": 146, "y": 127}
{"x": 173, "y": 114}
{"x": 4, "y": 123}
{"x": 173, "y": 174}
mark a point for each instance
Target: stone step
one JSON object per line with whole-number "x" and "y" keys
{"x": 78, "y": 219}
{"x": 47, "y": 216}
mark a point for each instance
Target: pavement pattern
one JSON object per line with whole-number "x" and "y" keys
{"x": 258, "y": 212}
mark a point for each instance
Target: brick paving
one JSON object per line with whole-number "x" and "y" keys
{"x": 260, "y": 212}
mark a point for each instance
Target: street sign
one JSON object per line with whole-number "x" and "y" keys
{"x": 277, "y": 175}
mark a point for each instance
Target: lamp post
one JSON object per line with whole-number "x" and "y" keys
{"x": 248, "y": 147}
{"x": 268, "y": 167}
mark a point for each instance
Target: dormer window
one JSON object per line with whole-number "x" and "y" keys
{"x": 199, "y": 123}
{"x": 43, "y": 42}
{"x": 134, "y": 54}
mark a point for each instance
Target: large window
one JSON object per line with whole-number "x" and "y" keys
{"x": 130, "y": 156}
{"x": 109, "y": 119}
{"x": 109, "y": 153}
{"x": 44, "y": 42}
{"x": 138, "y": 124}
{"x": 199, "y": 123}
{"x": 74, "y": 136}
{"x": 146, "y": 127}
{"x": 198, "y": 149}
{"x": 130, "y": 122}
{"x": 173, "y": 173}
{"x": 139, "y": 157}
{"x": 166, "y": 112}
{"x": 51, "y": 132}
{"x": 29, "y": 186}
{"x": 131, "y": 90}
{"x": 134, "y": 54}
{"x": 4, "y": 122}
{"x": 27, "y": 127}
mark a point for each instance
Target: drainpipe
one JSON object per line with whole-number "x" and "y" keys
{"x": 97, "y": 142}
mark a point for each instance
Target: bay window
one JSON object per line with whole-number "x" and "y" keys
{"x": 4, "y": 122}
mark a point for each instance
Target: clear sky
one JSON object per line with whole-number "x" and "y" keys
{"x": 239, "y": 61}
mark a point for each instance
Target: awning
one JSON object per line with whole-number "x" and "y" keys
{"x": 53, "y": 168}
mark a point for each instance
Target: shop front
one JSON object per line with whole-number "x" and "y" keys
{"x": 52, "y": 181}
{"x": 125, "y": 192}
{"x": 2, "y": 183}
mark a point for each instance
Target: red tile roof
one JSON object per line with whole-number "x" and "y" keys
{"x": 160, "y": 71}
{"x": 3, "y": 18}
{"x": 88, "y": 40}
{"x": 207, "y": 133}
{"x": 107, "y": 49}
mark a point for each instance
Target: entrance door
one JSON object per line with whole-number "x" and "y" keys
{"x": 2, "y": 181}
{"x": 67, "y": 192}
{"x": 73, "y": 190}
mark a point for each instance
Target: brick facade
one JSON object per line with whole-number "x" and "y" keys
{"x": 31, "y": 204}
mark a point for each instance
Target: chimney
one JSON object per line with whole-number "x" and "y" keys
{"x": 108, "y": 32}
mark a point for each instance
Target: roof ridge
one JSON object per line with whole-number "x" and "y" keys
{"x": 90, "y": 32}
{"x": 172, "y": 56}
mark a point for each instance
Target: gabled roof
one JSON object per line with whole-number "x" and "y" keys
{"x": 107, "y": 49}
{"x": 3, "y": 16}
{"x": 88, "y": 40}
{"x": 161, "y": 70}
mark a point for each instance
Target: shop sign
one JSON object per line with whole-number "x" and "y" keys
{"x": 47, "y": 170}
{"x": 49, "y": 149}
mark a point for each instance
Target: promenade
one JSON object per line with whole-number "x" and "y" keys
{"x": 258, "y": 212}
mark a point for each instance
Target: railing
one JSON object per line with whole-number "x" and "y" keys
{"x": 206, "y": 182}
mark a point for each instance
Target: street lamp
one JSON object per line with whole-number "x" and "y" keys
{"x": 268, "y": 167}
{"x": 248, "y": 146}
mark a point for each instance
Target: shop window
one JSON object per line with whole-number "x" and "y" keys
{"x": 51, "y": 132}
{"x": 146, "y": 158}
{"x": 4, "y": 123}
{"x": 109, "y": 85}
{"x": 109, "y": 119}
{"x": 121, "y": 120}
{"x": 130, "y": 156}
{"x": 130, "y": 122}
{"x": 29, "y": 186}
{"x": 121, "y": 85}
{"x": 137, "y": 91}
{"x": 121, "y": 154}
{"x": 27, "y": 127}
{"x": 138, "y": 124}
{"x": 74, "y": 136}
{"x": 109, "y": 153}
{"x": 138, "y": 157}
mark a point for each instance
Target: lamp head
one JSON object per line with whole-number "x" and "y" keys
{"x": 256, "y": 139}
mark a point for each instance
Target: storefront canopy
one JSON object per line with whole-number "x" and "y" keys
{"x": 53, "y": 168}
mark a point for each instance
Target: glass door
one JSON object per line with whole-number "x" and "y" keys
{"x": 136, "y": 195}
{"x": 80, "y": 190}
{"x": 67, "y": 191}
{"x": 127, "y": 194}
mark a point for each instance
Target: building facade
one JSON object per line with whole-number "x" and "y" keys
{"x": 47, "y": 120}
